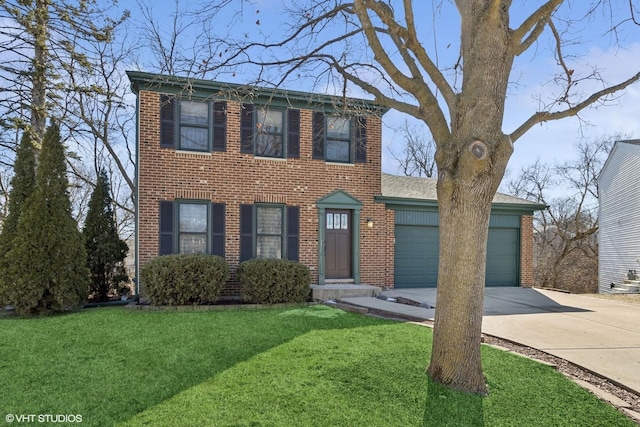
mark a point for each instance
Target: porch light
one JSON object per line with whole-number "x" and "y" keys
{"x": 369, "y": 223}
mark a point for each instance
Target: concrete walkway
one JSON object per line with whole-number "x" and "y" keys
{"x": 598, "y": 334}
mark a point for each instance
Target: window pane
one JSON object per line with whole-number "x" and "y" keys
{"x": 337, "y": 151}
{"x": 193, "y": 243}
{"x": 329, "y": 221}
{"x": 268, "y": 145}
{"x": 269, "y": 220}
{"x": 193, "y": 218}
{"x": 345, "y": 222}
{"x": 194, "y": 138}
{"x": 270, "y": 121}
{"x": 194, "y": 113}
{"x": 338, "y": 127}
{"x": 269, "y": 247}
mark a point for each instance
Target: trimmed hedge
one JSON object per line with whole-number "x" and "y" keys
{"x": 273, "y": 281}
{"x": 184, "y": 279}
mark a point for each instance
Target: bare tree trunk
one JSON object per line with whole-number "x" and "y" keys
{"x": 464, "y": 224}
{"x": 39, "y": 89}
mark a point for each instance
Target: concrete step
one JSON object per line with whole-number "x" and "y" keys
{"x": 334, "y": 291}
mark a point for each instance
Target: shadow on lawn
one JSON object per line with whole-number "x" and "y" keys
{"x": 446, "y": 407}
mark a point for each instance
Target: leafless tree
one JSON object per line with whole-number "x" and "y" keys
{"x": 64, "y": 59}
{"x": 417, "y": 157}
{"x": 385, "y": 49}
{"x": 566, "y": 250}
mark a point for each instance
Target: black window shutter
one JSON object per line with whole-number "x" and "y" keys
{"x": 166, "y": 228}
{"x": 318, "y": 135}
{"x": 246, "y": 129}
{"x": 361, "y": 140}
{"x": 220, "y": 126}
{"x": 293, "y": 233}
{"x": 167, "y": 121}
{"x": 293, "y": 133}
{"x": 217, "y": 229}
{"x": 246, "y": 232}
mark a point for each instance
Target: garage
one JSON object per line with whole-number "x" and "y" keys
{"x": 416, "y": 250}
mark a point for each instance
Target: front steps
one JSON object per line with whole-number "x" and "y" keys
{"x": 333, "y": 291}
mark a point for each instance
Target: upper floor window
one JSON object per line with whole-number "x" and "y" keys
{"x": 193, "y": 125}
{"x": 269, "y": 132}
{"x": 339, "y": 139}
{"x": 268, "y": 138}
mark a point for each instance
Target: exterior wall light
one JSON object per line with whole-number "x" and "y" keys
{"x": 369, "y": 223}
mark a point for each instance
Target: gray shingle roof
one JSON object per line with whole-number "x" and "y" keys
{"x": 411, "y": 187}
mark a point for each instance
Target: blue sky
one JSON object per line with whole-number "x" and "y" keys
{"x": 552, "y": 141}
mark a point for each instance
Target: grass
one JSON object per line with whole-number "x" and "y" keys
{"x": 312, "y": 366}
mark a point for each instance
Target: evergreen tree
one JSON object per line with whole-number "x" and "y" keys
{"x": 22, "y": 186}
{"x": 46, "y": 263}
{"x": 105, "y": 250}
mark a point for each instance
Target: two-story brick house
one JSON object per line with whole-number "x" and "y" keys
{"x": 245, "y": 172}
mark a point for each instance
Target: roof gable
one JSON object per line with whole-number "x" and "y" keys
{"x": 338, "y": 199}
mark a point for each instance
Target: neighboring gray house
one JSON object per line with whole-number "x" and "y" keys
{"x": 619, "y": 220}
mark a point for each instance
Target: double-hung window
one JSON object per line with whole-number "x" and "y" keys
{"x": 193, "y": 221}
{"x": 192, "y": 125}
{"x": 269, "y": 231}
{"x": 339, "y": 139}
{"x": 192, "y": 227}
{"x": 269, "y": 135}
{"x": 269, "y": 131}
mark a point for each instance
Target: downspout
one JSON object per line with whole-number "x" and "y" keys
{"x": 135, "y": 203}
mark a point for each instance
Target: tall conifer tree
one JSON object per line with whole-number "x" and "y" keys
{"x": 105, "y": 250}
{"x": 22, "y": 186}
{"x": 47, "y": 261}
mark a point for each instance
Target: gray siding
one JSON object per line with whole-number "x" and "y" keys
{"x": 619, "y": 220}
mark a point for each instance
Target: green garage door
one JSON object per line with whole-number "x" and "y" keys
{"x": 416, "y": 256}
{"x": 502, "y": 257}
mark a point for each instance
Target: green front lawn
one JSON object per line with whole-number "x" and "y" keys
{"x": 313, "y": 366}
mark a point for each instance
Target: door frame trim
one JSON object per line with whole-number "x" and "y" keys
{"x": 339, "y": 199}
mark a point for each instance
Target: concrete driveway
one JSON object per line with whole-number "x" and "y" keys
{"x": 598, "y": 334}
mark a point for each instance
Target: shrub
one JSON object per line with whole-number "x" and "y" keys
{"x": 46, "y": 262}
{"x": 105, "y": 250}
{"x": 273, "y": 281}
{"x": 184, "y": 279}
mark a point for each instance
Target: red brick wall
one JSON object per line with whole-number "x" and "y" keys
{"x": 526, "y": 251}
{"x": 234, "y": 179}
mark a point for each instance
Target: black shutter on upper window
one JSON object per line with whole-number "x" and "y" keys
{"x": 318, "y": 135}
{"x": 166, "y": 228}
{"x": 220, "y": 126}
{"x": 217, "y": 229}
{"x": 246, "y": 129}
{"x": 167, "y": 121}
{"x": 246, "y": 232}
{"x": 361, "y": 140}
{"x": 293, "y": 233}
{"x": 293, "y": 133}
